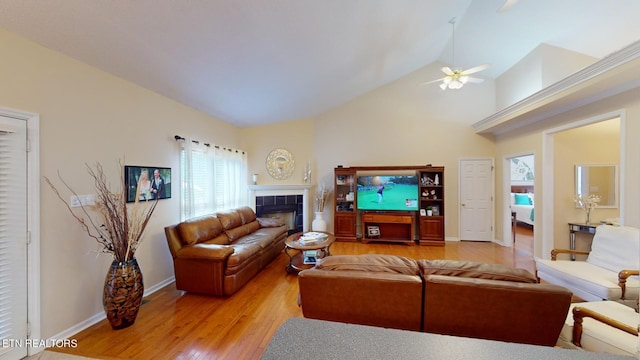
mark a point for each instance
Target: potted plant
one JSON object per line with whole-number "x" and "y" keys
{"x": 118, "y": 229}
{"x": 429, "y": 211}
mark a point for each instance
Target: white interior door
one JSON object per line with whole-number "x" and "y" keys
{"x": 13, "y": 238}
{"x": 476, "y": 199}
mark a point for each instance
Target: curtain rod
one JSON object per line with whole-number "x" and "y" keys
{"x": 179, "y": 138}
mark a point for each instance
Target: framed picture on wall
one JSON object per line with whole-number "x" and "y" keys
{"x": 149, "y": 182}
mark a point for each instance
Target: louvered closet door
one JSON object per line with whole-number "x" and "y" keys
{"x": 13, "y": 238}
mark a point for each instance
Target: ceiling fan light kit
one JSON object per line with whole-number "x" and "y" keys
{"x": 455, "y": 79}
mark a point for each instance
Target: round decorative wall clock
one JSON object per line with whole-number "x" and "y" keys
{"x": 280, "y": 164}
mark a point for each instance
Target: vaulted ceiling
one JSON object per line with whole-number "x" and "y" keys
{"x": 252, "y": 62}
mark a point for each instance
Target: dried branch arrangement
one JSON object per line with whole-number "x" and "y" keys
{"x": 115, "y": 227}
{"x": 322, "y": 194}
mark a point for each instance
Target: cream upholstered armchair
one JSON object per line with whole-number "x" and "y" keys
{"x": 601, "y": 326}
{"x": 610, "y": 271}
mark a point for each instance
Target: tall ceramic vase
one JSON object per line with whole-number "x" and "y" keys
{"x": 123, "y": 289}
{"x": 318, "y": 223}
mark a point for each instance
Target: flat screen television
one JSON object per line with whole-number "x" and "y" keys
{"x": 387, "y": 192}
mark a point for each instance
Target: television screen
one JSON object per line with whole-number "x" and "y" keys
{"x": 387, "y": 192}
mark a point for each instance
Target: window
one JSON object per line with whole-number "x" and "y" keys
{"x": 213, "y": 179}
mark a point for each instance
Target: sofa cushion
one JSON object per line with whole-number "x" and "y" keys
{"x": 369, "y": 262}
{"x": 241, "y": 256}
{"x": 242, "y": 230}
{"x": 229, "y": 219}
{"x": 247, "y": 214}
{"x": 202, "y": 229}
{"x": 265, "y": 237}
{"x": 471, "y": 269}
{"x": 615, "y": 248}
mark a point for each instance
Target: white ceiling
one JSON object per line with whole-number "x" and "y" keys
{"x": 252, "y": 62}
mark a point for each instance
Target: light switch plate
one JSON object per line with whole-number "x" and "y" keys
{"x": 82, "y": 200}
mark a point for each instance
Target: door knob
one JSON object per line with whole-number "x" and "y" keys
{"x": 463, "y": 204}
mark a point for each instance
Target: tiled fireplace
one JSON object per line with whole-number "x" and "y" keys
{"x": 287, "y": 202}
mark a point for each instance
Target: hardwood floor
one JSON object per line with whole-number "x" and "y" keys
{"x": 176, "y": 325}
{"x": 524, "y": 239}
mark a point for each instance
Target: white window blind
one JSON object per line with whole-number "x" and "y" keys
{"x": 13, "y": 236}
{"x": 213, "y": 179}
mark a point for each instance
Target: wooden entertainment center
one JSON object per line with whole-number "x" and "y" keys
{"x": 426, "y": 226}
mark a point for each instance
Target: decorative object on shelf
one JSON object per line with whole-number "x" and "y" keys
{"x": 429, "y": 211}
{"x": 587, "y": 203}
{"x": 373, "y": 231}
{"x": 350, "y": 196}
{"x": 119, "y": 230}
{"x": 426, "y": 181}
{"x": 436, "y": 181}
{"x": 435, "y": 209}
{"x": 254, "y": 177}
{"x": 423, "y": 212}
{"x": 280, "y": 164}
{"x": 307, "y": 173}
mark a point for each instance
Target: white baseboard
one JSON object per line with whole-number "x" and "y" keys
{"x": 68, "y": 333}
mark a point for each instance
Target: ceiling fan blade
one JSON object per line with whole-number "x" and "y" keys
{"x": 433, "y": 81}
{"x": 507, "y": 5}
{"x": 475, "y": 69}
{"x": 447, "y": 70}
{"x": 474, "y": 80}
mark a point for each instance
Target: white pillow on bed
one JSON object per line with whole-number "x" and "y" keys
{"x": 513, "y": 199}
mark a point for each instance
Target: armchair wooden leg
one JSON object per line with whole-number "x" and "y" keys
{"x": 577, "y": 327}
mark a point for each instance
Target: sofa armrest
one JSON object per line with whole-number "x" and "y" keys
{"x": 623, "y": 275}
{"x": 212, "y": 252}
{"x": 579, "y": 313}
{"x": 555, "y": 252}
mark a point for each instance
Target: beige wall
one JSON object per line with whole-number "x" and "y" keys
{"x": 407, "y": 123}
{"x": 543, "y": 66}
{"x": 530, "y": 140}
{"x": 88, "y": 116}
{"x": 597, "y": 143}
{"x": 294, "y": 136}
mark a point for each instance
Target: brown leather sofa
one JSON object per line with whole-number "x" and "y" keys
{"x": 218, "y": 254}
{"x": 461, "y": 298}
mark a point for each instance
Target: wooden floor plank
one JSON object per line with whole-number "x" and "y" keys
{"x": 177, "y": 325}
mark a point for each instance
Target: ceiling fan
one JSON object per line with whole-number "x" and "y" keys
{"x": 507, "y": 5}
{"x": 456, "y": 78}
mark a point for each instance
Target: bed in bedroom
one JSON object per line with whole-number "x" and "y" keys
{"x": 522, "y": 204}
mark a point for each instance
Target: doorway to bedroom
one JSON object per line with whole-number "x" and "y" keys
{"x": 522, "y": 202}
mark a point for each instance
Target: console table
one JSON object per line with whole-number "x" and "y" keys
{"x": 576, "y": 228}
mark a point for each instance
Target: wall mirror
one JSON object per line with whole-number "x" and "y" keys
{"x": 601, "y": 180}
